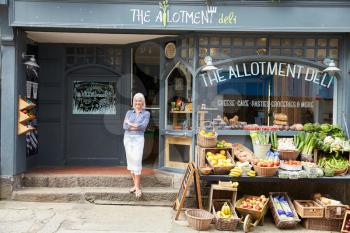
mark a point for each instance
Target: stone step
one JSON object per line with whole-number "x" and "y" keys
{"x": 79, "y": 180}
{"x": 95, "y": 194}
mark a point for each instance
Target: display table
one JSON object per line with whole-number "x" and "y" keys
{"x": 275, "y": 179}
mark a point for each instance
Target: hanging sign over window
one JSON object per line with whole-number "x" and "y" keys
{"x": 259, "y": 69}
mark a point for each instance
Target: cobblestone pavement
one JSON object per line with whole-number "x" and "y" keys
{"x": 33, "y": 217}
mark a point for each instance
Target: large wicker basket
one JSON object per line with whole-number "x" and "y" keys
{"x": 199, "y": 219}
{"x": 225, "y": 224}
{"x": 206, "y": 141}
{"x": 288, "y": 154}
{"x": 322, "y": 224}
{"x": 283, "y": 223}
{"x": 266, "y": 171}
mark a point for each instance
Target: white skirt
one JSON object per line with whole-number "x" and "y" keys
{"x": 134, "y": 151}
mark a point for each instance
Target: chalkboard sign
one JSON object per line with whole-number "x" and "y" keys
{"x": 190, "y": 173}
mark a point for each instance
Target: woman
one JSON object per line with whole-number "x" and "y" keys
{"x": 135, "y": 123}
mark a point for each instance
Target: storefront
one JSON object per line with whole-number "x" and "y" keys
{"x": 94, "y": 57}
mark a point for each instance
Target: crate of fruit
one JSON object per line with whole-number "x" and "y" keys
{"x": 202, "y": 153}
{"x": 253, "y": 205}
{"x": 226, "y": 218}
{"x": 333, "y": 209}
{"x": 283, "y": 211}
{"x": 221, "y": 162}
{"x": 346, "y": 223}
{"x": 322, "y": 224}
{"x": 308, "y": 209}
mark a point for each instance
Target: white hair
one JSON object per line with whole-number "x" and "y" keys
{"x": 141, "y": 97}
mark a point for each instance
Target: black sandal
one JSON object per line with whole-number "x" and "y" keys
{"x": 132, "y": 190}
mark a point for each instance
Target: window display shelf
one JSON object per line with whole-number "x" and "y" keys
{"x": 235, "y": 132}
{"x": 177, "y": 133}
{"x": 274, "y": 179}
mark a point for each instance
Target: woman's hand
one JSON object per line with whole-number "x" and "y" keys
{"x": 133, "y": 128}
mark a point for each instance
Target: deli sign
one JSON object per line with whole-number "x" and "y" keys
{"x": 259, "y": 69}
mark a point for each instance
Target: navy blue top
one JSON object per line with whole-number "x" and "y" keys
{"x": 141, "y": 120}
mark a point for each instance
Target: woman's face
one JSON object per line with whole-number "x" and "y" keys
{"x": 138, "y": 104}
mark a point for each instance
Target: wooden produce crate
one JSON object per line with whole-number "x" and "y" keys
{"x": 333, "y": 211}
{"x": 201, "y": 154}
{"x": 315, "y": 211}
{"x": 224, "y": 224}
{"x": 322, "y": 224}
{"x": 218, "y": 192}
{"x": 280, "y": 222}
{"x": 346, "y": 218}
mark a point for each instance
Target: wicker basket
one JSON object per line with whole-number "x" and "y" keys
{"x": 205, "y": 170}
{"x": 322, "y": 224}
{"x": 266, "y": 171}
{"x": 199, "y": 219}
{"x": 333, "y": 211}
{"x": 317, "y": 211}
{"x": 283, "y": 223}
{"x": 217, "y": 170}
{"x": 238, "y": 148}
{"x": 288, "y": 154}
{"x": 225, "y": 224}
{"x": 341, "y": 172}
{"x": 206, "y": 141}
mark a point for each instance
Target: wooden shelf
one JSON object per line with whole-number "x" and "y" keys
{"x": 22, "y": 129}
{"x": 22, "y": 117}
{"x": 180, "y": 111}
{"x": 22, "y": 104}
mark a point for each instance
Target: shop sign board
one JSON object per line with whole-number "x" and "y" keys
{"x": 258, "y": 69}
{"x": 90, "y": 97}
{"x": 187, "y": 16}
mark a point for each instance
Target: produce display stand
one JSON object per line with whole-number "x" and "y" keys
{"x": 275, "y": 179}
{"x": 251, "y": 217}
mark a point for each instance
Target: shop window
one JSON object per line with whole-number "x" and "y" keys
{"x": 322, "y": 42}
{"x": 310, "y": 53}
{"x": 214, "y": 40}
{"x": 333, "y": 53}
{"x": 333, "y": 42}
{"x": 261, "y": 41}
{"x": 286, "y": 42}
{"x": 298, "y": 52}
{"x": 275, "y": 42}
{"x": 254, "y": 92}
{"x": 179, "y": 99}
{"x": 107, "y": 56}
{"x": 310, "y": 42}
{"x": 286, "y": 52}
{"x": 237, "y": 42}
{"x": 321, "y": 54}
{"x": 203, "y": 41}
{"x": 298, "y": 42}
{"x": 226, "y": 41}
{"x": 249, "y": 42}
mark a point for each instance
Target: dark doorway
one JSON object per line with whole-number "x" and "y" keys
{"x": 145, "y": 79}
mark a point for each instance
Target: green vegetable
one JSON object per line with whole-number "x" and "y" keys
{"x": 326, "y": 128}
{"x": 309, "y": 127}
